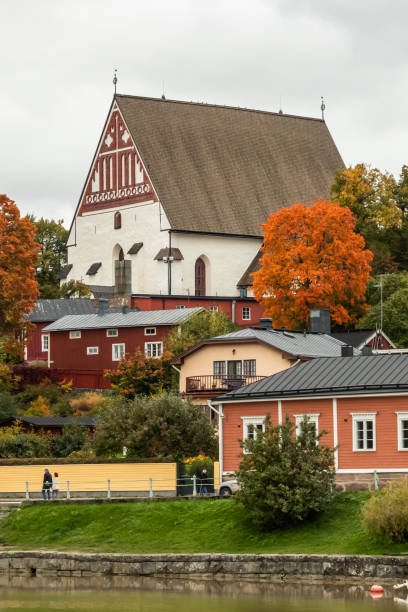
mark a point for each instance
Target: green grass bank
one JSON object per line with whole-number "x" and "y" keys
{"x": 196, "y": 526}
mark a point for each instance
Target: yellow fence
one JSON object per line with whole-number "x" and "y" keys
{"x": 216, "y": 475}
{"x": 91, "y": 477}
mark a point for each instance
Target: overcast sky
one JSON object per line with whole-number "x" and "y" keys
{"x": 57, "y": 60}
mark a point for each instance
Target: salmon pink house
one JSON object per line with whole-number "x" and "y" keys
{"x": 98, "y": 341}
{"x": 361, "y": 402}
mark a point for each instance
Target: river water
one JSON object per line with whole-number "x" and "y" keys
{"x": 113, "y": 594}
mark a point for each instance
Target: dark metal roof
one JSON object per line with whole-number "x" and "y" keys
{"x": 51, "y": 310}
{"x": 120, "y": 319}
{"x": 135, "y": 248}
{"x": 358, "y": 337}
{"x": 94, "y": 268}
{"x": 176, "y": 253}
{"x": 52, "y": 421}
{"x": 332, "y": 376}
{"x": 65, "y": 270}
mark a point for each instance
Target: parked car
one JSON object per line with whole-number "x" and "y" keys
{"x": 228, "y": 488}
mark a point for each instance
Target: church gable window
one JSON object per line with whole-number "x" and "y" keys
{"x": 117, "y": 222}
{"x": 199, "y": 277}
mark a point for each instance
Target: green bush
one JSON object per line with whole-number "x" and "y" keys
{"x": 8, "y": 405}
{"x": 385, "y": 514}
{"x": 16, "y": 443}
{"x": 195, "y": 465}
{"x": 285, "y": 478}
{"x": 72, "y": 439}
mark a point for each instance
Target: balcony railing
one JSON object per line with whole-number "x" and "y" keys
{"x": 226, "y": 382}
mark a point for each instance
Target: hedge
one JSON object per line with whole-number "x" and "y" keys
{"x": 70, "y": 460}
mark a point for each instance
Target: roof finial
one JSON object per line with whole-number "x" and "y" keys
{"x": 280, "y": 105}
{"x": 115, "y": 79}
{"x": 322, "y": 108}
{"x": 163, "y": 95}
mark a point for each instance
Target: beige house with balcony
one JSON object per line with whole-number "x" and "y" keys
{"x": 233, "y": 360}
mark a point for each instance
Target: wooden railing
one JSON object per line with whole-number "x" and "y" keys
{"x": 207, "y": 382}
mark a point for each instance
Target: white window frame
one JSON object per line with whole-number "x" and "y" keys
{"x": 401, "y": 416}
{"x": 74, "y": 334}
{"x": 44, "y": 348}
{"x": 92, "y": 350}
{"x": 313, "y": 418}
{"x": 251, "y": 420}
{"x": 112, "y": 333}
{"x": 244, "y": 309}
{"x": 122, "y": 351}
{"x": 364, "y": 416}
{"x": 180, "y": 306}
{"x": 160, "y": 344}
{"x": 149, "y": 331}
{"x": 213, "y": 308}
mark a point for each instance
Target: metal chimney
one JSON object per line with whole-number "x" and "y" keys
{"x": 320, "y": 321}
{"x": 265, "y": 323}
{"x": 103, "y": 306}
{"x": 346, "y": 350}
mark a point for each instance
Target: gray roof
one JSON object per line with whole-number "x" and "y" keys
{"x": 223, "y": 169}
{"x": 51, "y": 310}
{"x": 332, "y": 376}
{"x": 119, "y": 319}
{"x": 53, "y": 421}
{"x": 298, "y": 344}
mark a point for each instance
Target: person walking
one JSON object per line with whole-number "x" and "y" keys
{"x": 47, "y": 484}
{"x": 204, "y": 482}
{"x": 55, "y": 485}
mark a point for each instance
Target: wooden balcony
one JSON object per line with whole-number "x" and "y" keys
{"x": 198, "y": 385}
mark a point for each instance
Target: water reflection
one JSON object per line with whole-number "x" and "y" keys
{"x": 148, "y": 594}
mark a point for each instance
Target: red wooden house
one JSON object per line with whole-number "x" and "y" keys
{"x": 360, "y": 401}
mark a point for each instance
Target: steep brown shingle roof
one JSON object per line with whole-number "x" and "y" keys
{"x": 225, "y": 169}
{"x": 247, "y": 279}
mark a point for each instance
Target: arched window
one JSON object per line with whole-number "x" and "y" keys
{"x": 121, "y": 255}
{"x": 117, "y": 223}
{"x": 199, "y": 277}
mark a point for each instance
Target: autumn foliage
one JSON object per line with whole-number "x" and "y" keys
{"x": 312, "y": 258}
{"x": 18, "y": 254}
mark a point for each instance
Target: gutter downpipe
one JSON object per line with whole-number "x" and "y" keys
{"x": 220, "y": 415}
{"x": 233, "y": 311}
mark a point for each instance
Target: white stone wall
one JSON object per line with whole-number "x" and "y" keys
{"x": 97, "y": 241}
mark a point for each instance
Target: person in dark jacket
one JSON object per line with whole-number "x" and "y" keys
{"x": 47, "y": 484}
{"x": 204, "y": 482}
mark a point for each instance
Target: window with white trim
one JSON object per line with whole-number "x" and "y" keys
{"x": 112, "y": 333}
{"x": 153, "y": 349}
{"x": 252, "y": 426}
{"x": 363, "y": 431}
{"x": 118, "y": 350}
{"x": 219, "y": 368}
{"x": 180, "y": 306}
{"x": 44, "y": 342}
{"x": 213, "y": 308}
{"x": 246, "y": 313}
{"x": 92, "y": 350}
{"x": 74, "y": 334}
{"x": 313, "y": 418}
{"x": 402, "y": 431}
{"x": 150, "y": 331}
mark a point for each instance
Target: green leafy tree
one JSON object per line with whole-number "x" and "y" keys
{"x": 14, "y": 442}
{"x": 52, "y": 237}
{"x": 395, "y": 310}
{"x": 141, "y": 375}
{"x": 73, "y": 438}
{"x": 285, "y": 478}
{"x": 201, "y": 325}
{"x": 74, "y": 289}
{"x": 162, "y": 426}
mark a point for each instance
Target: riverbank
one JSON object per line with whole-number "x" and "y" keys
{"x": 185, "y": 527}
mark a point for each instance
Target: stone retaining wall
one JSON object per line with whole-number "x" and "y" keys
{"x": 272, "y": 567}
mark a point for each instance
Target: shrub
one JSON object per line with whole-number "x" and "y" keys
{"x": 16, "y": 443}
{"x": 195, "y": 465}
{"x": 8, "y": 381}
{"x": 385, "y": 514}
{"x": 8, "y": 405}
{"x": 162, "y": 426}
{"x": 73, "y": 438}
{"x": 38, "y": 407}
{"x": 141, "y": 375}
{"x": 87, "y": 404}
{"x": 285, "y": 478}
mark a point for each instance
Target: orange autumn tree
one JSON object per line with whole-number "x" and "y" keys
{"x": 312, "y": 258}
{"x": 18, "y": 287}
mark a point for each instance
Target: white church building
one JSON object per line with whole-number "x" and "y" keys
{"x": 177, "y": 191}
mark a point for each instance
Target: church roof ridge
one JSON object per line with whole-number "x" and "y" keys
{"x": 221, "y": 106}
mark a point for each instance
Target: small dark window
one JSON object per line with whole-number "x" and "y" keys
{"x": 121, "y": 256}
{"x": 200, "y": 277}
{"x": 117, "y": 223}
